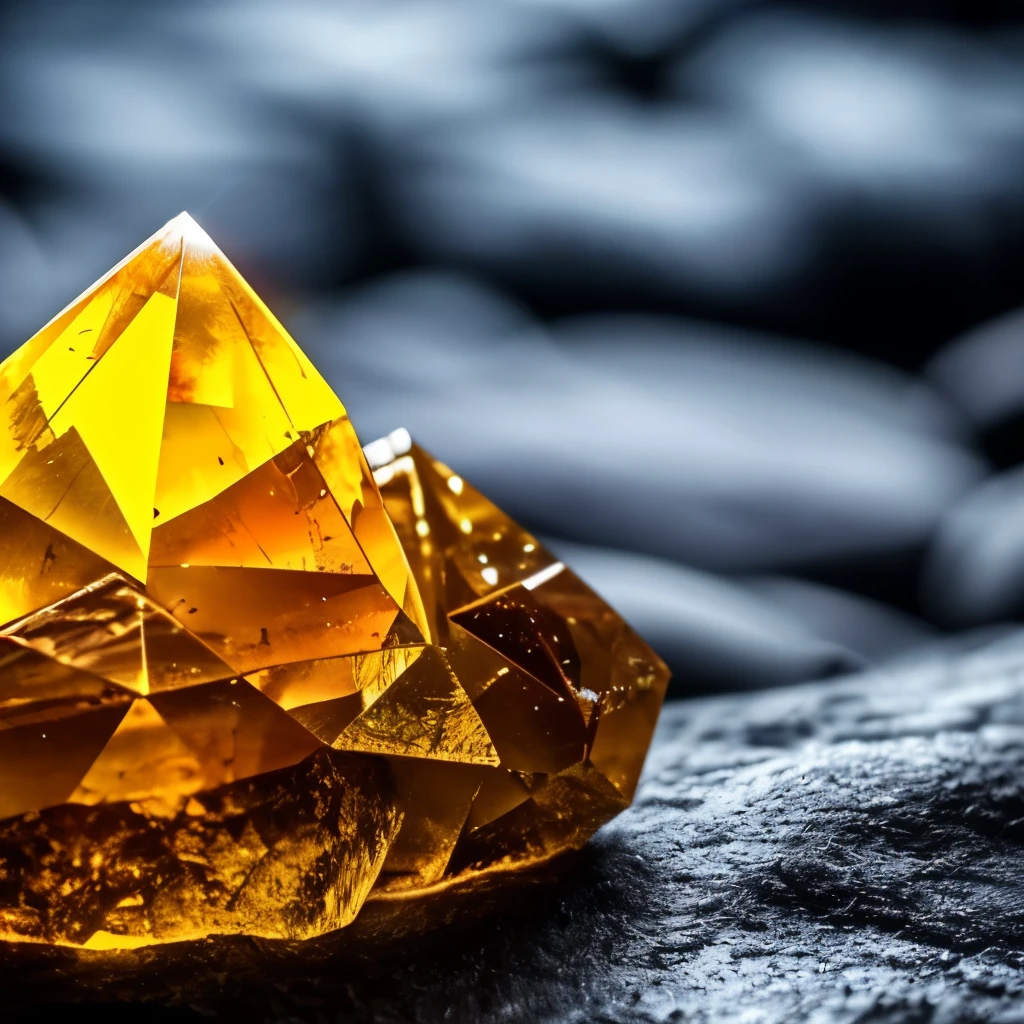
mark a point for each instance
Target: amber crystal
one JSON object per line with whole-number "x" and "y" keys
{"x": 246, "y": 682}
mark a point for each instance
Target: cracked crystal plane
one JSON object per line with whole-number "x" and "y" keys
{"x": 246, "y": 682}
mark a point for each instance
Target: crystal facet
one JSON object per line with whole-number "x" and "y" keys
{"x": 246, "y": 682}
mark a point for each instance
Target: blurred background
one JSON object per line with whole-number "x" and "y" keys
{"x": 718, "y": 296}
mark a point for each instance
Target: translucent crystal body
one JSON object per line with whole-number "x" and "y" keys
{"x": 246, "y": 683}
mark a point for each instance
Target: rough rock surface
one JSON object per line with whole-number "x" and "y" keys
{"x": 846, "y": 851}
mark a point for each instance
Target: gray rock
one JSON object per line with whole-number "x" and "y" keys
{"x": 981, "y": 370}
{"x": 703, "y": 446}
{"x": 714, "y": 634}
{"x": 138, "y": 115}
{"x": 975, "y": 568}
{"x": 875, "y": 631}
{"x": 23, "y": 271}
{"x": 406, "y": 67}
{"x": 589, "y": 192}
{"x": 641, "y": 28}
{"x": 847, "y": 851}
{"x": 926, "y": 115}
{"x": 911, "y": 132}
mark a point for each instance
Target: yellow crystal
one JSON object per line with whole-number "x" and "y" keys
{"x": 246, "y": 683}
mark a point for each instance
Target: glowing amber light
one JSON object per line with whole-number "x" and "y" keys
{"x": 246, "y": 683}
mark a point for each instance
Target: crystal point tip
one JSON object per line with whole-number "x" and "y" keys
{"x": 191, "y": 230}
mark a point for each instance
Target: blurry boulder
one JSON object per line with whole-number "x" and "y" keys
{"x": 693, "y": 358}
{"x": 641, "y": 28}
{"x": 915, "y": 110}
{"x": 716, "y": 449}
{"x": 713, "y": 634}
{"x": 975, "y": 568}
{"x": 874, "y": 630}
{"x": 406, "y": 66}
{"x": 420, "y": 344}
{"x": 913, "y": 133}
{"x": 134, "y": 115}
{"x": 982, "y": 372}
{"x": 591, "y": 198}
{"x": 366, "y": 79}
{"x": 23, "y": 308}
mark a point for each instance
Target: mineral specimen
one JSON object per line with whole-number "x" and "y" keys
{"x": 246, "y": 683}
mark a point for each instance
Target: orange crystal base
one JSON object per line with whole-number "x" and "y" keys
{"x": 246, "y": 682}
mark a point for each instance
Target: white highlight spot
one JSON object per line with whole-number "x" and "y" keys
{"x": 539, "y": 578}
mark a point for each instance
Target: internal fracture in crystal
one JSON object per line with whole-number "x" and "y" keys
{"x": 246, "y": 681}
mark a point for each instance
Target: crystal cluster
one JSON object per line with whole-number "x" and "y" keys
{"x": 246, "y": 681}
